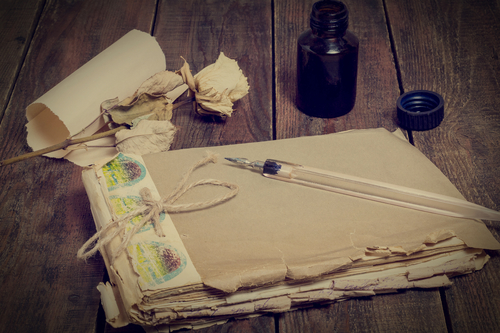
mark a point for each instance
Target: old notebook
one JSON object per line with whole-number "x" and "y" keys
{"x": 275, "y": 246}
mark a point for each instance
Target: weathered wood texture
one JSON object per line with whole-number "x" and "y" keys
{"x": 18, "y": 20}
{"x": 198, "y": 31}
{"x": 44, "y": 212}
{"x": 377, "y": 89}
{"x": 410, "y": 311}
{"x": 456, "y": 47}
{"x": 447, "y": 46}
{"x": 377, "y": 94}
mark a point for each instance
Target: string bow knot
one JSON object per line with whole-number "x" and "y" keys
{"x": 150, "y": 210}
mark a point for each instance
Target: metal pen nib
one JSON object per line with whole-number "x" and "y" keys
{"x": 245, "y": 162}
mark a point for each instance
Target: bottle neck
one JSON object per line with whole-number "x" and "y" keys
{"x": 329, "y": 19}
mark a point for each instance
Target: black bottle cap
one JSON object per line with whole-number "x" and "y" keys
{"x": 420, "y": 110}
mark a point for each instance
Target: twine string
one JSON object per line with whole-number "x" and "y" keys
{"x": 151, "y": 210}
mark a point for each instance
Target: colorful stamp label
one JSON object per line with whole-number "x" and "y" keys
{"x": 157, "y": 263}
{"x": 157, "y": 260}
{"x": 123, "y": 171}
{"x": 123, "y": 205}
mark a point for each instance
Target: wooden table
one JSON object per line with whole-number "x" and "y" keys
{"x": 450, "y": 46}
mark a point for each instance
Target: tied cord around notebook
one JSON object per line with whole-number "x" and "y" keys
{"x": 151, "y": 210}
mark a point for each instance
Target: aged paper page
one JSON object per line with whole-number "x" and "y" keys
{"x": 274, "y": 230}
{"x": 75, "y": 102}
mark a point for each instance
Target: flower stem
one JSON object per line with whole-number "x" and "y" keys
{"x": 61, "y": 145}
{"x": 69, "y": 142}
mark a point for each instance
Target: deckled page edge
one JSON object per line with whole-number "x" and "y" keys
{"x": 101, "y": 215}
{"x": 126, "y": 293}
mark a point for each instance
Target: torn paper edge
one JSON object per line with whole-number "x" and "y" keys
{"x": 102, "y": 216}
{"x": 108, "y": 301}
{"x": 74, "y": 103}
{"x": 245, "y": 304}
{"x": 129, "y": 292}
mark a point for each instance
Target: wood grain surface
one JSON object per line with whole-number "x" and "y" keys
{"x": 377, "y": 93}
{"x": 18, "y": 20}
{"x": 448, "y": 46}
{"x": 456, "y": 45}
{"x": 44, "y": 211}
{"x": 377, "y": 89}
{"x": 199, "y": 31}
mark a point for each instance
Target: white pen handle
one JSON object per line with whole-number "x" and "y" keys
{"x": 377, "y": 191}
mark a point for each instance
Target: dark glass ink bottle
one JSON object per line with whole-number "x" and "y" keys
{"x": 327, "y": 62}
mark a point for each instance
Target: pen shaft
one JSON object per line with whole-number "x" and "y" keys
{"x": 377, "y": 191}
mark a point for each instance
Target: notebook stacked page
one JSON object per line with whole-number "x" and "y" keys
{"x": 275, "y": 246}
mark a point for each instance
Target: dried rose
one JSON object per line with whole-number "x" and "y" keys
{"x": 217, "y": 86}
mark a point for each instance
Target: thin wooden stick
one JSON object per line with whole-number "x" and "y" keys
{"x": 62, "y": 145}
{"x": 69, "y": 142}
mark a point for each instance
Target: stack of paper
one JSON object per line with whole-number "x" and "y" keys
{"x": 276, "y": 246}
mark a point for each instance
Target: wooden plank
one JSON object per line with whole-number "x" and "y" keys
{"x": 377, "y": 94}
{"x": 17, "y": 24}
{"x": 258, "y": 324}
{"x": 456, "y": 44}
{"x": 44, "y": 211}
{"x": 261, "y": 324}
{"x": 198, "y": 31}
{"x": 377, "y": 89}
{"x": 402, "y": 312}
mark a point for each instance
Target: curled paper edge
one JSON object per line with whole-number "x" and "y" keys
{"x": 108, "y": 302}
{"x": 74, "y": 103}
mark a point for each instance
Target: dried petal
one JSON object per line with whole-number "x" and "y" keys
{"x": 214, "y": 103}
{"x": 149, "y": 136}
{"x": 187, "y": 76}
{"x": 240, "y": 90}
{"x": 154, "y": 97}
{"x": 223, "y": 74}
{"x": 145, "y": 105}
{"x": 159, "y": 84}
{"x": 217, "y": 86}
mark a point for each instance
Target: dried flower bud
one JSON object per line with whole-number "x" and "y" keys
{"x": 217, "y": 86}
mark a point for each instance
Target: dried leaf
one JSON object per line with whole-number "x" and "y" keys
{"x": 152, "y": 98}
{"x": 187, "y": 76}
{"x": 149, "y": 136}
{"x": 109, "y": 104}
{"x": 145, "y": 105}
{"x": 158, "y": 85}
{"x": 217, "y": 86}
